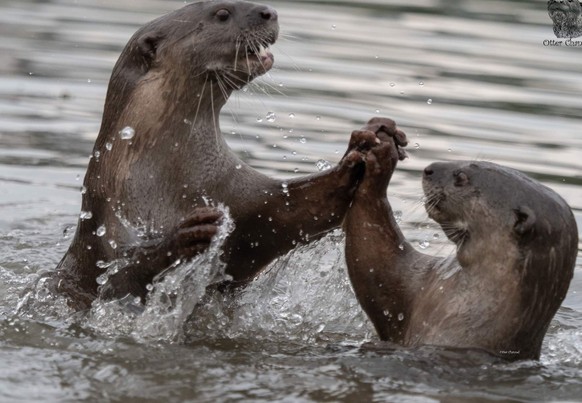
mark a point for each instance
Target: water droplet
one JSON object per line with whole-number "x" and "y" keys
{"x": 149, "y": 287}
{"x": 400, "y": 316}
{"x": 271, "y": 117}
{"x": 238, "y": 166}
{"x": 429, "y": 101}
{"x": 97, "y": 154}
{"x": 377, "y": 111}
{"x": 386, "y": 312}
{"x": 102, "y": 279}
{"x": 416, "y": 145}
{"x": 291, "y": 115}
{"x": 127, "y": 133}
{"x": 101, "y": 230}
{"x": 259, "y": 120}
{"x": 113, "y": 244}
{"x": 303, "y": 140}
{"x": 423, "y": 244}
{"x": 89, "y": 80}
{"x": 83, "y": 190}
{"x": 401, "y": 246}
{"x": 435, "y": 236}
{"x": 108, "y": 146}
{"x": 323, "y": 165}
{"x": 285, "y": 187}
{"x": 372, "y": 270}
{"x": 450, "y": 149}
{"x": 392, "y": 84}
{"x": 398, "y": 216}
{"x": 296, "y": 170}
{"x": 188, "y": 122}
{"x": 85, "y": 215}
{"x": 421, "y": 83}
{"x": 333, "y": 27}
{"x": 318, "y": 118}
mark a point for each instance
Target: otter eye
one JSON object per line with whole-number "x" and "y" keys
{"x": 222, "y": 14}
{"x": 461, "y": 178}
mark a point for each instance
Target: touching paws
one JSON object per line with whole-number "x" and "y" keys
{"x": 382, "y": 157}
{"x": 387, "y": 131}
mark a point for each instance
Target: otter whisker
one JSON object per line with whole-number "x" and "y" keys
{"x": 214, "y": 116}
{"x": 237, "y": 47}
{"x": 222, "y": 87}
{"x": 200, "y": 96}
{"x": 272, "y": 87}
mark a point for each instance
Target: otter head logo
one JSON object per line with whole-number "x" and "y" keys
{"x": 567, "y": 17}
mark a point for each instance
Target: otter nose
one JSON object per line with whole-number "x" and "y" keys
{"x": 268, "y": 13}
{"x": 428, "y": 171}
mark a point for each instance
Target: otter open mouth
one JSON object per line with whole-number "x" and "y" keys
{"x": 256, "y": 58}
{"x": 261, "y": 53}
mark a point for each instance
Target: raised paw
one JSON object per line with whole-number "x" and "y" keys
{"x": 386, "y": 129}
{"x": 380, "y": 163}
{"x": 195, "y": 232}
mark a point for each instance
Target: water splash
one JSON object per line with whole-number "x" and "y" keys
{"x": 303, "y": 296}
{"x": 172, "y": 299}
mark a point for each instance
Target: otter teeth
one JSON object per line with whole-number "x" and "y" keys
{"x": 263, "y": 51}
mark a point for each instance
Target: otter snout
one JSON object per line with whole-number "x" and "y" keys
{"x": 434, "y": 171}
{"x": 261, "y": 15}
{"x": 267, "y": 13}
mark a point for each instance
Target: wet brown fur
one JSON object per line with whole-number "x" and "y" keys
{"x": 516, "y": 239}
{"x": 169, "y": 85}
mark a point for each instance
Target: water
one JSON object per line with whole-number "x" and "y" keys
{"x": 465, "y": 80}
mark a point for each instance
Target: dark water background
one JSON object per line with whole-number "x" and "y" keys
{"x": 465, "y": 79}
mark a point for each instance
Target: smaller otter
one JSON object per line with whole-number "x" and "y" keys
{"x": 567, "y": 18}
{"x": 516, "y": 241}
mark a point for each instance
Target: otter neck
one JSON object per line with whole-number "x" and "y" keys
{"x": 187, "y": 118}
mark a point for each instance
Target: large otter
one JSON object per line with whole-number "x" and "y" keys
{"x": 567, "y": 17}
{"x": 160, "y": 156}
{"x": 516, "y": 248}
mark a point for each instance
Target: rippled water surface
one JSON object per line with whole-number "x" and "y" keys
{"x": 465, "y": 79}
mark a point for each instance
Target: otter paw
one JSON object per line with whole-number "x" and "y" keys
{"x": 386, "y": 129}
{"x": 380, "y": 163}
{"x": 361, "y": 141}
{"x": 195, "y": 232}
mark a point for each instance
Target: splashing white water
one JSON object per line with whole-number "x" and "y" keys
{"x": 303, "y": 296}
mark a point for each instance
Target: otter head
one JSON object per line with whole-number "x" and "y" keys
{"x": 223, "y": 38}
{"x": 494, "y": 208}
{"x": 221, "y": 44}
{"x": 565, "y": 15}
{"x": 470, "y": 198}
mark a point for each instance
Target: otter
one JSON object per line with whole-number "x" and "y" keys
{"x": 516, "y": 246}
{"x": 160, "y": 164}
{"x": 567, "y": 18}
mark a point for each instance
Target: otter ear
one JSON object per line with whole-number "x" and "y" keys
{"x": 525, "y": 219}
{"x": 148, "y": 45}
